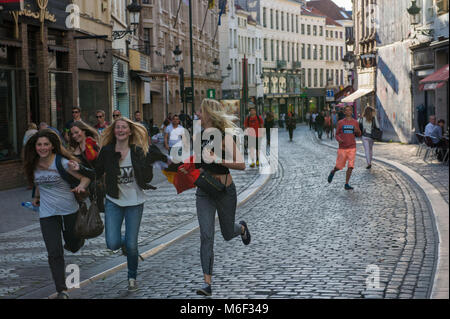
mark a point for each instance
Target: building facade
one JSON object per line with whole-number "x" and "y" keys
{"x": 165, "y": 26}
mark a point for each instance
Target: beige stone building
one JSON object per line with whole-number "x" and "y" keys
{"x": 165, "y": 25}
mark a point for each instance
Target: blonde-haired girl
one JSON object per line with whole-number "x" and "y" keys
{"x": 213, "y": 116}
{"x": 126, "y": 161}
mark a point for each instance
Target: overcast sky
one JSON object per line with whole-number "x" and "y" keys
{"x": 347, "y": 4}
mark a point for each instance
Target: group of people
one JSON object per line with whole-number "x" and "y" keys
{"x": 114, "y": 163}
{"x": 436, "y": 133}
{"x": 324, "y": 122}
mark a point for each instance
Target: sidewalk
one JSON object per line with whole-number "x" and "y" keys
{"x": 432, "y": 179}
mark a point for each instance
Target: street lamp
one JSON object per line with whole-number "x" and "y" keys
{"x": 414, "y": 11}
{"x": 229, "y": 68}
{"x": 178, "y": 57}
{"x": 135, "y": 12}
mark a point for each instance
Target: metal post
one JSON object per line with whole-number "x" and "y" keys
{"x": 192, "y": 58}
{"x": 183, "y": 99}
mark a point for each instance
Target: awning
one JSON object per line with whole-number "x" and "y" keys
{"x": 11, "y": 43}
{"x": 141, "y": 76}
{"x": 356, "y": 95}
{"x": 436, "y": 80}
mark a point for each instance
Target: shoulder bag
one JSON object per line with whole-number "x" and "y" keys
{"x": 377, "y": 134}
{"x": 207, "y": 183}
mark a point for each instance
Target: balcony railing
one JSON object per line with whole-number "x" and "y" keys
{"x": 281, "y": 64}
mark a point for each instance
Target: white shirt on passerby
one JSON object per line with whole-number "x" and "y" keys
{"x": 130, "y": 194}
{"x": 367, "y": 126}
{"x": 175, "y": 136}
{"x": 433, "y": 131}
{"x": 313, "y": 116}
{"x": 56, "y": 195}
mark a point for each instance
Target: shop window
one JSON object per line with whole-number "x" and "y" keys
{"x": 8, "y": 119}
{"x": 442, "y": 6}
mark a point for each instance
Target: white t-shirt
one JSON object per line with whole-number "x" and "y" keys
{"x": 367, "y": 126}
{"x": 175, "y": 136}
{"x": 56, "y": 195}
{"x": 130, "y": 194}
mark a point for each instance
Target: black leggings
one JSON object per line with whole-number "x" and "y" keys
{"x": 51, "y": 228}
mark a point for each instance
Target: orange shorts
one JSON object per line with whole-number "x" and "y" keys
{"x": 345, "y": 155}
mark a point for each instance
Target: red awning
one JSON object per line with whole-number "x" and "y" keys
{"x": 435, "y": 80}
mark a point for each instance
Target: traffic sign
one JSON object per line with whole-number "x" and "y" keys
{"x": 330, "y": 95}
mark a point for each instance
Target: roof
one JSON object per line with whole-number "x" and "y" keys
{"x": 309, "y": 12}
{"x": 328, "y": 20}
{"x": 330, "y": 9}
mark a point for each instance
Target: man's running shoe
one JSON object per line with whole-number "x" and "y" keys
{"x": 132, "y": 285}
{"x": 330, "y": 177}
{"x": 348, "y": 187}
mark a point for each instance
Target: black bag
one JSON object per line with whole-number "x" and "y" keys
{"x": 89, "y": 223}
{"x": 207, "y": 183}
{"x": 377, "y": 134}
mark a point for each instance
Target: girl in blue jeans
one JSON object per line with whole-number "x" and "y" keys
{"x": 126, "y": 162}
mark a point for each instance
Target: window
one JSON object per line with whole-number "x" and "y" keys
{"x": 309, "y": 52}
{"x": 276, "y": 17}
{"x": 321, "y": 31}
{"x": 315, "y": 77}
{"x": 321, "y": 52}
{"x": 303, "y": 28}
{"x": 287, "y": 22}
{"x": 328, "y": 76}
{"x": 315, "y": 30}
{"x": 340, "y": 35}
{"x": 326, "y": 33}
{"x": 298, "y": 53}
{"x": 8, "y": 116}
{"x": 271, "y": 50}
{"x": 308, "y": 29}
{"x": 293, "y": 52}
{"x": 309, "y": 78}
{"x": 321, "y": 78}
{"x": 296, "y": 24}
{"x": 147, "y": 40}
{"x": 303, "y": 84}
{"x": 264, "y": 17}
{"x": 303, "y": 51}
{"x": 337, "y": 77}
{"x": 292, "y": 23}
{"x": 331, "y": 53}
{"x": 265, "y": 50}
{"x": 271, "y": 18}
{"x": 342, "y": 53}
{"x": 282, "y": 50}
{"x": 442, "y": 6}
{"x": 282, "y": 21}
{"x": 337, "y": 54}
{"x": 145, "y": 1}
{"x": 336, "y": 34}
{"x": 278, "y": 50}
{"x": 315, "y": 52}
{"x": 327, "y": 55}
{"x": 342, "y": 77}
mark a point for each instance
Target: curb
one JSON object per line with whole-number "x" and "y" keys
{"x": 167, "y": 240}
{"x": 439, "y": 207}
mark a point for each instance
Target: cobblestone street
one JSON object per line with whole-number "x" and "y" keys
{"x": 310, "y": 239}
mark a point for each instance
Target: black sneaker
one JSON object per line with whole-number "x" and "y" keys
{"x": 369, "y": 166}
{"x": 246, "y": 235}
{"x": 348, "y": 187}
{"x": 205, "y": 290}
{"x": 62, "y": 295}
{"x": 330, "y": 177}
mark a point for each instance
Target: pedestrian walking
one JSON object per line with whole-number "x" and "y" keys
{"x": 253, "y": 122}
{"x": 313, "y": 118}
{"x": 320, "y": 121}
{"x": 368, "y": 121}
{"x": 269, "y": 123}
{"x": 84, "y": 144}
{"x": 126, "y": 162}
{"x": 334, "y": 120}
{"x": 46, "y": 165}
{"x": 308, "y": 119}
{"x": 76, "y": 116}
{"x": 327, "y": 124}
{"x": 347, "y": 129}
{"x": 291, "y": 125}
{"x": 138, "y": 119}
{"x": 212, "y": 118}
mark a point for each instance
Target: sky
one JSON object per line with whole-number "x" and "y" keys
{"x": 347, "y": 4}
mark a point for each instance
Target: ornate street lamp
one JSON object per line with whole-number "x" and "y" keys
{"x": 414, "y": 12}
{"x": 135, "y": 12}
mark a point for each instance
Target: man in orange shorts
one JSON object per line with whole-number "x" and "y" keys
{"x": 346, "y": 131}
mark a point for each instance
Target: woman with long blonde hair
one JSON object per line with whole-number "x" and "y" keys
{"x": 218, "y": 165}
{"x": 127, "y": 165}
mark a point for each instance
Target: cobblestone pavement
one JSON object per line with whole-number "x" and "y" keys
{"x": 433, "y": 171}
{"x": 23, "y": 258}
{"x": 310, "y": 239}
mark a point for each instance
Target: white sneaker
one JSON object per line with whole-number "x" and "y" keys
{"x": 132, "y": 285}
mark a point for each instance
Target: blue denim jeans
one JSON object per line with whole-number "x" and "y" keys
{"x": 114, "y": 215}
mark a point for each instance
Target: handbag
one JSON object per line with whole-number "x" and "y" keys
{"x": 377, "y": 134}
{"x": 207, "y": 183}
{"x": 89, "y": 223}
